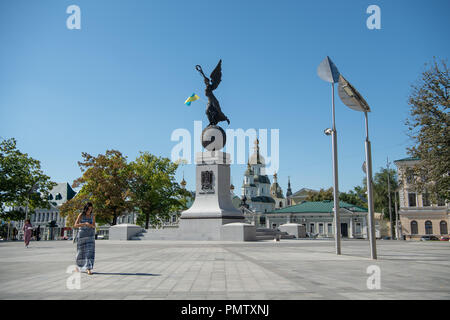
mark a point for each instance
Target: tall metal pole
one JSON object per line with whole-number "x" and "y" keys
{"x": 372, "y": 240}
{"x": 389, "y": 198}
{"x": 337, "y": 220}
{"x": 397, "y": 225}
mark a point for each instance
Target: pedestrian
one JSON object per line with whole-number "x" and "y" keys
{"x": 15, "y": 232}
{"x": 38, "y": 233}
{"x": 27, "y": 229}
{"x": 85, "y": 239}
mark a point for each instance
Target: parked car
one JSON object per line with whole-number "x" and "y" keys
{"x": 429, "y": 238}
{"x": 386, "y": 238}
{"x": 445, "y": 238}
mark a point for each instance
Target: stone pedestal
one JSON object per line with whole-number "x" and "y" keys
{"x": 124, "y": 231}
{"x": 238, "y": 231}
{"x": 212, "y": 207}
{"x": 294, "y": 229}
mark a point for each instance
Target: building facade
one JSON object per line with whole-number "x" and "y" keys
{"x": 42, "y": 218}
{"x": 318, "y": 217}
{"x": 418, "y": 215}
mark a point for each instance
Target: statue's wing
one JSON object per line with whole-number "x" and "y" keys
{"x": 216, "y": 75}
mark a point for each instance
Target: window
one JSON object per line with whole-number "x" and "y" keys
{"x": 441, "y": 202}
{"x": 428, "y": 227}
{"x": 281, "y": 204}
{"x": 443, "y": 226}
{"x": 426, "y": 200}
{"x": 412, "y": 199}
{"x": 321, "y": 228}
{"x": 409, "y": 176}
{"x": 311, "y": 227}
{"x": 330, "y": 228}
{"x": 58, "y": 196}
{"x": 358, "y": 228}
{"x": 414, "y": 228}
{"x": 262, "y": 220}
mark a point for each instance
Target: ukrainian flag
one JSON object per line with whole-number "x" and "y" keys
{"x": 191, "y": 99}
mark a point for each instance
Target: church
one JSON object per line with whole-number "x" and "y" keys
{"x": 258, "y": 193}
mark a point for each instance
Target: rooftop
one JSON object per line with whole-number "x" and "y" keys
{"x": 318, "y": 206}
{"x": 408, "y": 159}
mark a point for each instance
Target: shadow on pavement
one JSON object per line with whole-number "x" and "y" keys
{"x": 126, "y": 274}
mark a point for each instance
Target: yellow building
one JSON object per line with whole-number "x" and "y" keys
{"x": 418, "y": 215}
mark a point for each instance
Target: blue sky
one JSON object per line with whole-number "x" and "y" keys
{"x": 120, "y": 81}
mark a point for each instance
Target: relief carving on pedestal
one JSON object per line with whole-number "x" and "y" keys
{"x": 207, "y": 182}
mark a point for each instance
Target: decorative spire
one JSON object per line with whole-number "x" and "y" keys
{"x": 257, "y": 151}
{"x": 289, "y": 191}
{"x": 183, "y": 182}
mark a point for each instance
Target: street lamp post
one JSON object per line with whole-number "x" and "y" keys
{"x": 391, "y": 227}
{"x": 397, "y": 221}
{"x": 328, "y": 72}
{"x": 351, "y": 98}
{"x": 373, "y": 249}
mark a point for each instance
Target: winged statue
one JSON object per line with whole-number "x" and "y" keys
{"x": 213, "y": 111}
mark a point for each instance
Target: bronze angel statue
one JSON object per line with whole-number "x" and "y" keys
{"x": 213, "y": 111}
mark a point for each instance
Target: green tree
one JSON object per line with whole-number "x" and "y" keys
{"x": 22, "y": 182}
{"x": 352, "y": 197}
{"x": 428, "y": 125}
{"x": 72, "y": 208}
{"x": 380, "y": 190}
{"x": 321, "y": 195}
{"x": 154, "y": 191}
{"x": 356, "y": 196}
{"x": 105, "y": 183}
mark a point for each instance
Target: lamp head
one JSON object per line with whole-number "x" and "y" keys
{"x": 328, "y": 131}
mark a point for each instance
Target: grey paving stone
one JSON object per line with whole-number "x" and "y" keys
{"x": 197, "y": 270}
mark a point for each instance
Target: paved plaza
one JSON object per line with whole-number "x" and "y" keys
{"x": 289, "y": 269}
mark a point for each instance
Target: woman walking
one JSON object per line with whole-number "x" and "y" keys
{"x": 86, "y": 239}
{"x": 27, "y": 229}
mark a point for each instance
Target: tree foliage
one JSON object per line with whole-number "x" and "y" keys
{"x": 146, "y": 186}
{"x": 380, "y": 190}
{"x": 153, "y": 188}
{"x": 105, "y": 183}
{"x": 22, "y": 182}
{"x": 72, "y": 208}
{"x": 321, "y": 195}
{"x": 353, "y": 196}
{"x": 428, "y": 125}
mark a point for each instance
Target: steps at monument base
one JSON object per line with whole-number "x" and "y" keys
{"x": 261, "y": 234}
{"x": 270, "y": 234}
{"x": 140, "y": 235}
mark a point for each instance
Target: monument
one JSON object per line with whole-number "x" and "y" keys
{"x": 212, "y": 208}
{"x": 212, "y": 216}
